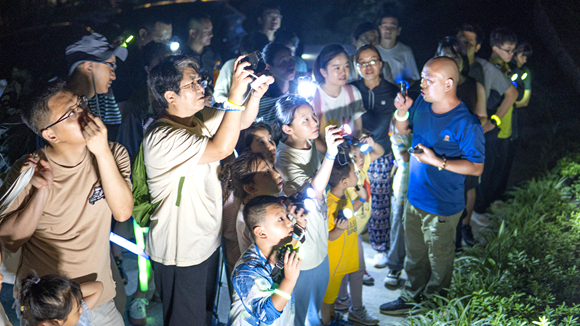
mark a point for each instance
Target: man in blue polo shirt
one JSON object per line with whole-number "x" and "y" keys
{"x": 448, "y": 144}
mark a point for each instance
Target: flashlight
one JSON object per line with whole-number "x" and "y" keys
{"x": 306, "y": 88}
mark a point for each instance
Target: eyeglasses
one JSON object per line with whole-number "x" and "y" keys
{"x": 195, "y": 83}
{"x": 112, "y": 65}
{"x": 79, "y": 107}
{"x": 507, "y": 51}
{"x": 366, "y": 64}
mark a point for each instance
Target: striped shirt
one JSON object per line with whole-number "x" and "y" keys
{"x": 108, "y": 109}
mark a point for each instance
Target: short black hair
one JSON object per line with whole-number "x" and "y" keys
{"x": 167, "y": 76}
{"x": 48, "y": 298}
{"x": 339, "y": 171}
{"x": 389, "y": 13}
{"x": 363, "y": 28}
{"x": 36, "y": 114}
{"x": 286, "y": 37}
{"x": 525, "y": 49}
{"x": 285, "y": 109}
{"x": 457, "y": 49}
{"x": 195, "y": 21}
{"x": 149, "y": 18}
{"x": 475, "y": 29}
{"x": 328, "y": 53}
{"x": 271, "y": 50}
{"x": 255, "y": 210}
{"x": 270, "y": 5}
{"x": 502, "y": 35}
{"x": 247, "y": 135}
{"x": 255, "y": 41}
{"x": 152, "y": 50}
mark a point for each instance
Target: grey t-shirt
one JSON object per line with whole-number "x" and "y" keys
{"x": 493, "y": 77}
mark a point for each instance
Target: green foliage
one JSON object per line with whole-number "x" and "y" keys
{"x": 527, "y": 272}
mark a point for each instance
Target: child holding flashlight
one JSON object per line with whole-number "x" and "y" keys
{"x": 344, "y": 246}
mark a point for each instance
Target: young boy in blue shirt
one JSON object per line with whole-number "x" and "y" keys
{"x": 262, "y": 298}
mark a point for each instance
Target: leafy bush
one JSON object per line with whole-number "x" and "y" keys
{"x": 527, "y": 272}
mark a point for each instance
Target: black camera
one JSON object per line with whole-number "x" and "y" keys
{"x": 256, "y": 61}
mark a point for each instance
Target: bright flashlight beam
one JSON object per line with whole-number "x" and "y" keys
{"x": 364, "y": 147}
{"x": 347, "y": 212}
{"x": 310, "y": 193}
{"x": 174, "y": 46}
{"x": 346, "y": 129}
{"x": 122, "y": 242}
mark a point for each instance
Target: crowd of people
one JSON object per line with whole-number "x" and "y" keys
{"x": 208, "y": 157}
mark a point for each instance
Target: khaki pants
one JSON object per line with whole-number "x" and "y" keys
{"x": 107, "y": 315}
{"x": 430, "y": 244}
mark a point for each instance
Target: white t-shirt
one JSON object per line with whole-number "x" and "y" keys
{"x": 244, "y": 237}
{"x": 401, "y": 60}
{"x": 224, "y": 82}
{"x": 186, "y": 227}
{"x": 298, "y": 167}
{"x": 340, "y": 110}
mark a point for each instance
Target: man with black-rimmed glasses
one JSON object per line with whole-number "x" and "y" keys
{"x": 61, "y": 219}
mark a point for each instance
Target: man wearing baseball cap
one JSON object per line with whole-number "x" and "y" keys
{"x": 92, "y": 65}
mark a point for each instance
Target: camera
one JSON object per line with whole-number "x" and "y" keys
{"x": 344, "y": 214}
{"x": 256, "y": 61}
{"x": 304, "y": 199}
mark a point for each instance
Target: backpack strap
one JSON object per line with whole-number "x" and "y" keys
{"x": 317, "y": 103}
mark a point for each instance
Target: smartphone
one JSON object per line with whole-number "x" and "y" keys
{"x": 256, "y": 61}
{"x": 415, "y": 150}
{"x": 404, "y": 90}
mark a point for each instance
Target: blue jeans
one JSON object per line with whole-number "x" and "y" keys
{"x": 309, "y": 293}
{"x": 396, "y": 255}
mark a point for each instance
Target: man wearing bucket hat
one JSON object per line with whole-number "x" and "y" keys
{"x": 92, "y": 65}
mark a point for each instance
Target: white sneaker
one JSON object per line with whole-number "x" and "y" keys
{"x": 380, "y": 260}
{"x": 392, "y": 278}
{"x": 138, "y": 312}
{"x": 362, "y": 316}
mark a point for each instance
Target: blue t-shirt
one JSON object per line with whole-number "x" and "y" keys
{"x": 456, "y": 134}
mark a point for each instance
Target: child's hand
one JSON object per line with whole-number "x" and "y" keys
{"x": 299, "y": 216}
{"x": 368, "y": 139}
{"x": 292, "y": 264}
{"x": 362, "y": 192}
{"x": 333, "y": 139}
{"x": 341, "y": 224}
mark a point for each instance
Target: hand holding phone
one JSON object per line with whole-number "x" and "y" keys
{"x": 415, "y": 150}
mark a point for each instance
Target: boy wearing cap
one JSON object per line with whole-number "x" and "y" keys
{"x": 62, "y": 217}
{"x": 92, "y": 64}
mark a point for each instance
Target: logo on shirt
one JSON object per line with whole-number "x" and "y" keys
{"x": 98, "y": 194}
{"x": 446, "y": 138}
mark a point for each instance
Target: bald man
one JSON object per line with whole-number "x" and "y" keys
{"x": 448, "y": 144}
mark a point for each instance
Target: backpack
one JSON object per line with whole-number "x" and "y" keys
{"x": 143, "y": 208}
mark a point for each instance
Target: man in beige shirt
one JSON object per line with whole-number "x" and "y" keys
{"x": 182, "y": 154}
{"x": 62, "y": 218}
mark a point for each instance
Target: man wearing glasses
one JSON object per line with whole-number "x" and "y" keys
{"x": 92, "y": 64}
{"x": 182, "y": 154}
{"x": 62, "y": 218}
{"x": 501, "y": 96}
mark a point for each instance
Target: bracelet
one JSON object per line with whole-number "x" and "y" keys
{"x": 231, "y": 106}
{"x": 362, "y": 200}
{"x": 332, "y": 158}
{"x": 283, "y": 294}
{"x": 403, "y": 118}
{"x": 442, "y": 167}
{"x": 496, "y": 119}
